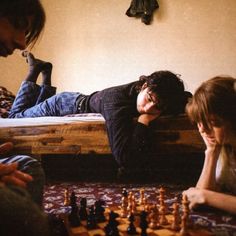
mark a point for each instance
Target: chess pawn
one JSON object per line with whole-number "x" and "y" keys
{"x": 66, "y": 197}
{"x": 83, "y": 209}
{"x": 143, "y": 223}
{"x": 130, "y": 195}
{"x": 145, "y": 205}
{"x": 154, "y": 218}
{"x": 73, "y": 199}
{"x": 129, "y": 207}
{"x": 141, "y": 200}
{"x": 161, "y": 193}
{"x": 74, "y": 216}
{"x": 91, "y": 220}
{"x": 99, "y": 211}
{"x": 124, "y": 193}
{"x": 111, "y": 227}
{"x": 124, "y": 205}
{"x": 162, "y": 214}
{"x": 131, "y": 228}
{"x": 184, "y": 230}
{"x": 185, "y": 204}
{"x": 186, "y": 209}
{"x": 161, "y": 196}
{"x": 176, "y": 217}
{"x": 133, "y": 205}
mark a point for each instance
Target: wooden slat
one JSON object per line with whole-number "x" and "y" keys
{"x": 170, "y": 135}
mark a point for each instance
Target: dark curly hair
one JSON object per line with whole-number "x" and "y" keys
{"x": 169, "y": 89}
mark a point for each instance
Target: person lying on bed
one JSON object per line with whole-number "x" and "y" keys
{"x": 161, "y": 93}
{"x": 213, "y": 108}
{"x": 21, "y": 23}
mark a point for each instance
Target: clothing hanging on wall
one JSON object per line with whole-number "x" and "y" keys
{"x": 143, "y": 9}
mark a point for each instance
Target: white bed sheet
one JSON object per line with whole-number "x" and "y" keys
{"x": 51, "y": 120}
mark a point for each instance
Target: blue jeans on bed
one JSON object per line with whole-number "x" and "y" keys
{"x": 30, "y": 166}
{"x": 33, "y": 100}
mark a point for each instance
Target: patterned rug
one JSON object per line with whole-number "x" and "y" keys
{"x": 219, "y": 223}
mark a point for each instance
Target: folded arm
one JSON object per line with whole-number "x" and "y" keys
{"x": 9, "y": 173}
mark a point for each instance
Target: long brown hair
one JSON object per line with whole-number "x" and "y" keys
{"x": 216, "y": 96}
{"x": 18, "y": 13}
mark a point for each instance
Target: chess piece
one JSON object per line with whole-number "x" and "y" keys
{"x": 73, "y": 216}
{"x": 146, "y": 207}
{"x": 111, "y": 227}
{"x": 73, "y": 199}
{"x": 162, "y": 214}
{"x": 141, "y": 199}
{"x": 66, "y": 197}
{"x": 124, "y": 203}
{"x": 161, "y": 196}
{"x": 131, "y": 228}
{"x": 162, "y": 207}
{"x": 185, "y": 216}
{"x": 130, "y": 204}
{"x": 99, "y": 211}
{"x": 124, "y": 192}
{"x": 83, "y": 209}
{"x": 176, "y": 217}
{"x": 154, "y": 218}
{"x": 133, "y": 205}
{"x": 143, "y": 223}
{"x": 91, "y": 220}
{"x": 185, "y": 205}
{"x": 183, "y": 230}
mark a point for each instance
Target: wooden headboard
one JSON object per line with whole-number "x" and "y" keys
{"x": 85, "y": 134}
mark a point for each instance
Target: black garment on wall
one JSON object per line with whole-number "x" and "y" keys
{"x": 143, "y": 9}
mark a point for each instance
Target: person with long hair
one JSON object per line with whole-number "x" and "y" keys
{"x": 213, "y": 108}
{"x": 21, "y": 24}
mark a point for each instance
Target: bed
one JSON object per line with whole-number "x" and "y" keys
{"x": 86, "y": 134}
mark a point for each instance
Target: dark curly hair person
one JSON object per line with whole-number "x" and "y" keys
{"x": 128, "y": 109}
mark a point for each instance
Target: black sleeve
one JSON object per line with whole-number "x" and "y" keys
{"x": 128, "y": 140}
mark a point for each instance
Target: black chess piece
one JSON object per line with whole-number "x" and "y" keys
{"x": 83, "y": 209}
{"x": 99, "y": 211}
{"x": 131, "y": 228}
{"x": 73, "y": 199}
{"x": 124, "y": 192}
{"x": 73, "y": 216}
{"x": 56, "y": 225}
{"x": 91, "y": 220}
{"x": 111, "y": 228}
{"x": 143, "y": 223}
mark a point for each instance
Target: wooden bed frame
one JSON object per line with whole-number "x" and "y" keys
{"x": 87, "y": 135}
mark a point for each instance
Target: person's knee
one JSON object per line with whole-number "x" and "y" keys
{"x": 32, "y": 167}
{"x": 36, "y": 187}
{"x": 19, "y": 215}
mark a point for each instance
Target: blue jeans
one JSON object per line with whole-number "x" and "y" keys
{"x": 33, "y": 100}
{"x": 30, "y": 166}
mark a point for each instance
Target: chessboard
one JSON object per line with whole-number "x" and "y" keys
{"x": 123, "y": 224}
{"x": 135, "y": 217}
